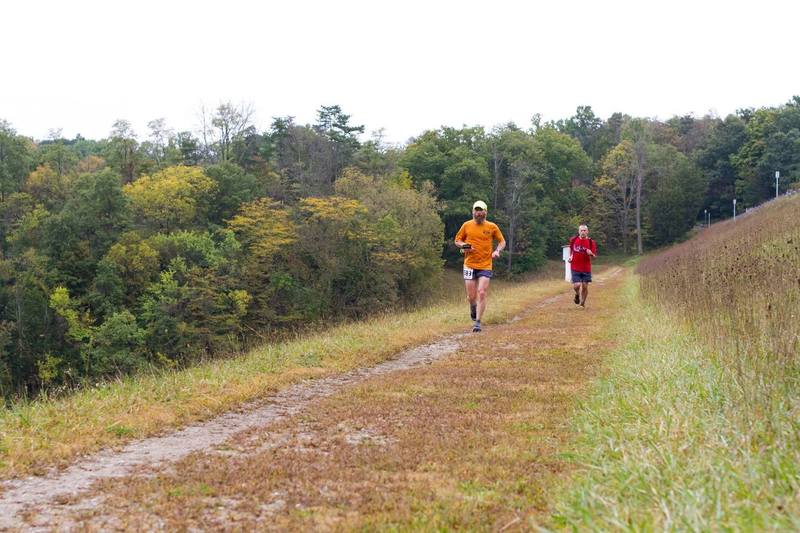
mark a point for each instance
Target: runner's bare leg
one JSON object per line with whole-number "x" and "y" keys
{"x": 483, "y": 294}
{"x": 472, "y": 290}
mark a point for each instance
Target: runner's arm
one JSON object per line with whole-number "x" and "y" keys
{"x": 460, "y": 236}
{"x": 460, "y": 244}
{"x": 501, "y": 242}
{"x": 500, "y": 247}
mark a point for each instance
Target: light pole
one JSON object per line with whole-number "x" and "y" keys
{"x": 734, "y": 209}
{"x": 777, "y": 175}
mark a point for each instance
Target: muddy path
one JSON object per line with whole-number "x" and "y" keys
{"x": 91, "y": 493}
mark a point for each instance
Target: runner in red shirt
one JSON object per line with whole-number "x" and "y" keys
{"x": 581, "y": 251}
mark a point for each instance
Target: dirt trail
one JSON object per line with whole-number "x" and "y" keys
{"x": 88, "y": 493}
{"x": 155, "y": 451}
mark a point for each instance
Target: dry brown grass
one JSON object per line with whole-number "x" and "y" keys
{"x": 469, "y": 442}
{"x": 738, "y": 285}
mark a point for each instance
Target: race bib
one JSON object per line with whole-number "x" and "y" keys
{"x": 468, "y": 273}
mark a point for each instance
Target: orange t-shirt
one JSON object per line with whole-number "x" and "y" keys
{"x": 480, "y": 236}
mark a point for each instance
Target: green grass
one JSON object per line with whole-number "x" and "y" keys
{"x": 673, "y": 439}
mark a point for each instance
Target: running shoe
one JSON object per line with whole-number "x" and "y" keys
{"x": 477, "y": 327}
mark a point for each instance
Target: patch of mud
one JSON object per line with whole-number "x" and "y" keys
{"x": 45, "y": 491}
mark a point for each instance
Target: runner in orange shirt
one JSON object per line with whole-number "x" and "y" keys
{"x": 475, "y": 240}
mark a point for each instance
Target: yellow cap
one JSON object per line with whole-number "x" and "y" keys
{"x": 479, "y": 205}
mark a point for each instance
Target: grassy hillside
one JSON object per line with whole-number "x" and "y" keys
{"x": 696, "y": 424}
{"x": 738, "y": 283}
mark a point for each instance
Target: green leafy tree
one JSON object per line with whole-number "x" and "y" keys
{"x": 272, "y": 271}
{"x": 58, "y": 155}
{"x": 75, "y": 239}
{"x": 234, "y": 187}
{"x": 377, "y": 158}
{"x": 197, "y": 248}
{"x": 16, "y": 159}
{"x": 310, "y": 158}
{"x": 771, "y": 145}
{"x": 30, "y": 327}
{"x": 304, "y": 158}
{"x": 118, "y": 346}
{"x": 130, "y": 265}
{"x": 47, "y": 186}
{"x": 518, "y": 176}
{"x": 615, "y": 190}
{"x": 161, "y": 147}
{"x": 198, "y": 304}
{"x": 14, "y": 210}
{"x": 456, "y": 161}
{"x": 676, "y": 188}
{"x": 408, "y": 232}
{"x": 716, "y": 160}
{"x": 189, "y": 149}
{"x": 334, "y": 238}
{"x": 122, "y": 151}
{"x": 230, "y": 126}
{"x": 115, "y": 347}
{"x": 79, "y": 328}
{"x": 191, "y": 312}
{"x": 84, "y": 148}
{"x": 564, "y": 167}
{"x": 335, "y": 125}
{"x": 609, "y": 136}
{"x": 638, "y": 132}
{"x": 584, "y": 126}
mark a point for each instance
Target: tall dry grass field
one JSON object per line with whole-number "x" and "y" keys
{"x": 738, "y": 285}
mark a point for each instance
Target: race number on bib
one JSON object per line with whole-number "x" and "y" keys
{"x": 468, "y": 273}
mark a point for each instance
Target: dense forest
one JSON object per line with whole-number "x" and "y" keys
{"x": 129, "y": 252}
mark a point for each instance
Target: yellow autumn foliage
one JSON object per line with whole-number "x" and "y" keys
{"x": 263, "y": 226}
{"x": 172, "y": 198}
{"x": 46, "y": 185}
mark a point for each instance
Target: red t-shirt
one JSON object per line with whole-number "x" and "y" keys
{"x": 581, "y": 261}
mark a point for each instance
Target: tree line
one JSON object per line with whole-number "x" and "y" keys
{"x": 127, "y": 252}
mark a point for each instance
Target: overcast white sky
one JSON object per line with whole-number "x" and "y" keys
{"x": 404, "y": 66}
